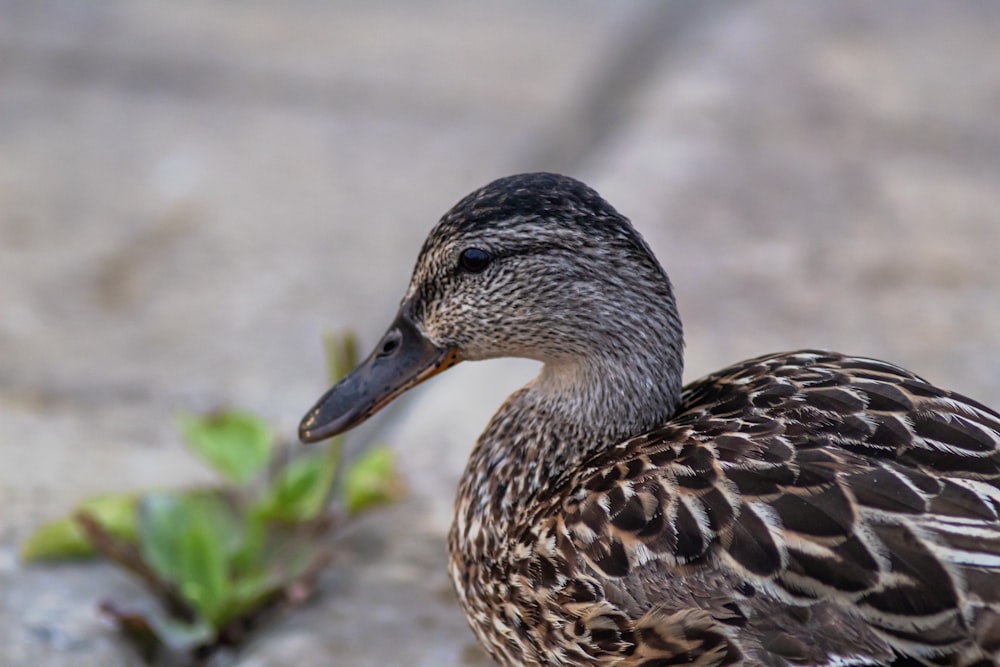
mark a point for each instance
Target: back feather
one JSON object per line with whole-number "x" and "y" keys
{"x": 847, "y": 488}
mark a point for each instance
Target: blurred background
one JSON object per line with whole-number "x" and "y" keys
{"x": 191, "y": 192}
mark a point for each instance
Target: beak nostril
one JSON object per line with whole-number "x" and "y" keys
{"x": 389, "y": 344}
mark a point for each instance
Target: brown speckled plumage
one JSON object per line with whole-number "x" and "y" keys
{"x": 798, "y": 509}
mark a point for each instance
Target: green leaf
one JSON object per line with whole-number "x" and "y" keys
{"x": 236, "y": 444}
{"x": 186, "y": 538}
{"x": 63, "y": 538}
{"x": 371, "y": 480}
{"x": 57, "y": 539}
{"x": 251, "y": 591}
{"x": 203, "y": 572}
{"x": 247, "y": 559}
{"x": 299, "y": 490}
{"x": 162, "y": 521}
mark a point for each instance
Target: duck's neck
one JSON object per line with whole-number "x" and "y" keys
{"x": 574, "y": 409}
{"x": 611, "y": 396}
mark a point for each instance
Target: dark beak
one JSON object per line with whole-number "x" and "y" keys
{"x": 401, "y": 360}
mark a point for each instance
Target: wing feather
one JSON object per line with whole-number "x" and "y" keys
{"x": 819, "y": 479}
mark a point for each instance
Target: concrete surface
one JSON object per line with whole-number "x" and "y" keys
{"x": 190, "y": 192}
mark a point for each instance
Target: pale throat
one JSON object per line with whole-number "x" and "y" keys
{"x": 612, "y": 396}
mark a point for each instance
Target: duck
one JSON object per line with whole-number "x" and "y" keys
{"x": 798, "y": 509}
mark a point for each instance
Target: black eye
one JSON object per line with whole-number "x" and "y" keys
{"x": 474, "y": 260}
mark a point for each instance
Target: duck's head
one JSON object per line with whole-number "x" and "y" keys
{"x": 533, "y": 265}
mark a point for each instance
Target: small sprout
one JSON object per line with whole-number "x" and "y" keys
{"x": 218, "y": 558}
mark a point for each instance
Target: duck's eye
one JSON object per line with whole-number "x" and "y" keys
{"x": 474, "y": 260}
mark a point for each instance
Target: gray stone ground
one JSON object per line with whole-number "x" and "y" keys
{"x": 190, "y": 192}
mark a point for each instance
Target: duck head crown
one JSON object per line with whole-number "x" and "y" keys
{"x": 537, "y": 266}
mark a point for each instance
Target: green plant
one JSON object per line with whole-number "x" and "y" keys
{"x": 218, "y": 558}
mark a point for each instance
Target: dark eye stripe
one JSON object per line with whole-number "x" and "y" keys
{"x": 474, "y": 260}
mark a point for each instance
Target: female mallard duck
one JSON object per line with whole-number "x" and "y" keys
{"x": 806, "y": 508}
